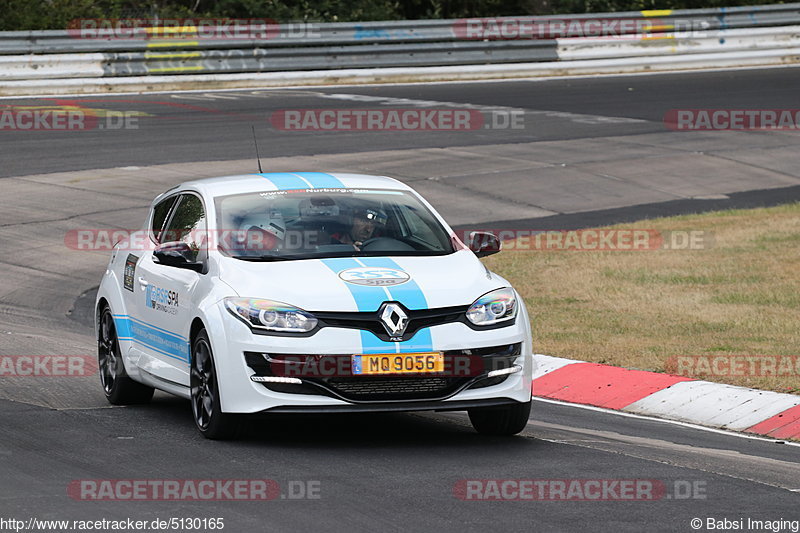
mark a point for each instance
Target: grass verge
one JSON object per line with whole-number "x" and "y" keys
{"x": 738, "y": 296}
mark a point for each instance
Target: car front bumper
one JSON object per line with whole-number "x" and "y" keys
{"x": 235, "y": 346}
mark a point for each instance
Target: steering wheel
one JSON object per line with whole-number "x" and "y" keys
{"x": 385, "y": 244}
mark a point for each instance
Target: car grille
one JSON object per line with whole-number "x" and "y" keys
{"x": 387, "y": 388}
{"x": 417, "y": 320}
{"x": 372, "y": 389}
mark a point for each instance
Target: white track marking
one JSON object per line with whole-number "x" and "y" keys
{"x": 672, "y": 422}
{"x": 579, "y": 118}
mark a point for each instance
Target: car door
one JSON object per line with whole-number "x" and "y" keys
{"x": 164, "y": 295}
{"x": 156, "y": 221}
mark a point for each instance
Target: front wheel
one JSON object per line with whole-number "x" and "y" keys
{"x": 117, "y": 386}
{"x": 206, "y": 407}
{"x": 505, "y": 420}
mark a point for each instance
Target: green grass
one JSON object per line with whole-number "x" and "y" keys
{"x": 739, "y": 296}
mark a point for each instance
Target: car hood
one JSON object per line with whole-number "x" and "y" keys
{"x": 363, "y": 283}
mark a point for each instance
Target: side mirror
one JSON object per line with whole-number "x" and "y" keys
{"x": 484, "y": 243}
{"x": 178, "y": 255}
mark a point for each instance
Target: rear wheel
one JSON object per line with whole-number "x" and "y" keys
{"x": 206, "y": 407}
{"x": 117, "y": 386}
{"x": 506, "y": 420}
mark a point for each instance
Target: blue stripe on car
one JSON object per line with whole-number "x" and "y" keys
{"x": 370, "y": 299}
{"x": 320, "y": 180}
{"x": 156, "y": 339}
{"x": 285, "y": 181}
{"x": 408, "y": 293}
{"x": 366, "y": 298}
{"x": 420, "y": 342}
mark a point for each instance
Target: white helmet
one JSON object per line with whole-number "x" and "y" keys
{"x": 261, "y": 231}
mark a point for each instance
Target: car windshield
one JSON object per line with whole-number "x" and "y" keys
{"x": 303, "y": 224}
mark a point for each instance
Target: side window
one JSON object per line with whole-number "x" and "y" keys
{"x": 160, "y": 213}
{"x": 187, "y": 225}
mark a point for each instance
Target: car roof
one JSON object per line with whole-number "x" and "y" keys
{"x": 272, "y": 181}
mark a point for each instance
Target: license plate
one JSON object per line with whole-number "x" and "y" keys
{"x": 397, "y": 363}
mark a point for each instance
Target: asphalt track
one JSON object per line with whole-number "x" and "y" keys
{"x": 592, "y": 151}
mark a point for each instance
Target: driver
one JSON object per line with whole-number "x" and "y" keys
{"x": 365, "y": 223}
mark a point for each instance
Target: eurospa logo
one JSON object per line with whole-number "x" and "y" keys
{"x": 162, "y": 300}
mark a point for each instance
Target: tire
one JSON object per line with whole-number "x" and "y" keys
{"x": 117, "y": 386}
{"x": 506, "y": 420}
{"x": 211, "y": 422}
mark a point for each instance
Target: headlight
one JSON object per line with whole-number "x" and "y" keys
{"x": 493, "y": 308}
{"x": 271, "y": 316}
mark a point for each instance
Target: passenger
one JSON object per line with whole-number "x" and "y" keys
{"x": 259, "y": 233}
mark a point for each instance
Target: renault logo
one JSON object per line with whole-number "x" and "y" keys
{"x": 394, "y": 319}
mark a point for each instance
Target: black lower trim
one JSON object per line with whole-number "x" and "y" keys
{"x": 467, "y": 368}
{"x": 460, "y": 405}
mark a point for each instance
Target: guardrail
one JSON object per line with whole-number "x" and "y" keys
{"x": 368, "y": 33}
{"x": 186, "y": 50}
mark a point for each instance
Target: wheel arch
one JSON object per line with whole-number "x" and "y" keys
{"x": 109, "y": 293}
{"x": 197, "y": 325}
{"x": 101, "y": 304}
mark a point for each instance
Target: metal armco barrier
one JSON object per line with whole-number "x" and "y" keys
{"x": 315, "y": 58}
{"x": 772, "y": 31}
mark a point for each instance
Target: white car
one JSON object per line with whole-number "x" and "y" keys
{"x": 309, "y": 292}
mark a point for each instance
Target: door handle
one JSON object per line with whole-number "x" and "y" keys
{"x": 143, "y": 282}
